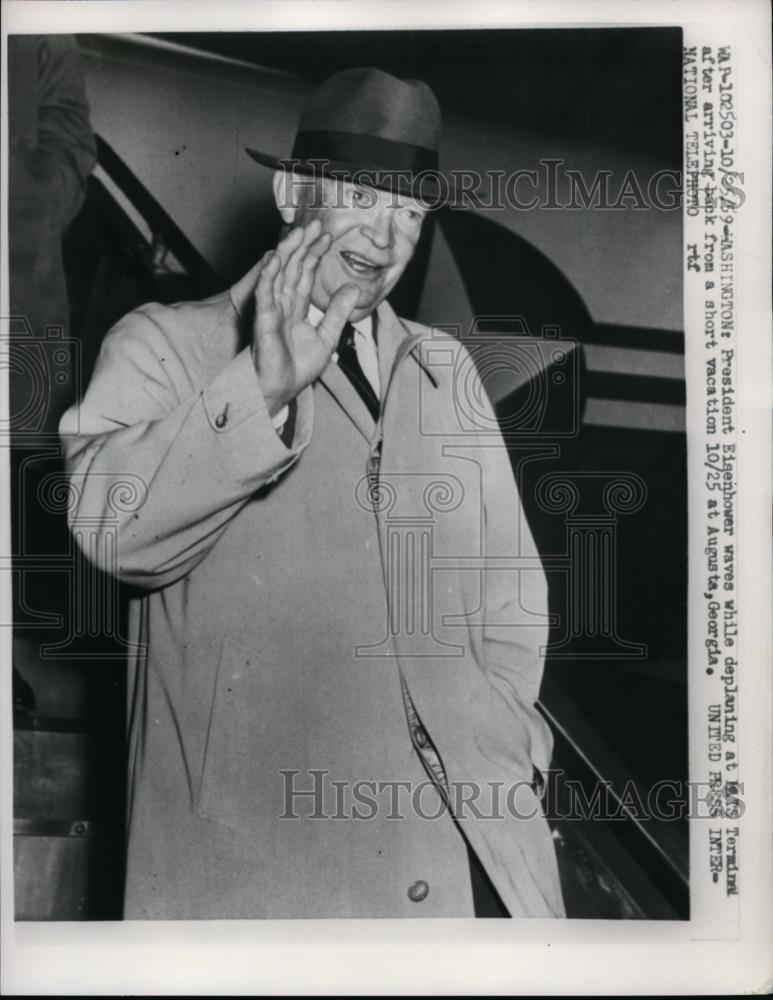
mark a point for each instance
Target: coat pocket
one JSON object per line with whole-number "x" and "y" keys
{"x": 230, "y": 737}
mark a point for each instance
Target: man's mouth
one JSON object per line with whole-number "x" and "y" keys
{"x": 361, "y": 265}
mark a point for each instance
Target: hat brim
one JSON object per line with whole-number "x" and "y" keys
{"x": 431, "y": 188}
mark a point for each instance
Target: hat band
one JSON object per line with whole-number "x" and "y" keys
{"x": 370, "y": 152}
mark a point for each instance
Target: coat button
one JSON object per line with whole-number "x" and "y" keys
{"x": 420, "y": 735}
{"x": 418, "y": 891}
{"x": 222, "y": 419}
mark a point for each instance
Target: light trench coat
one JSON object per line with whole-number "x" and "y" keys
{"x": 283, "y": 595}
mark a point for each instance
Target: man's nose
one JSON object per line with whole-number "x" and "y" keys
{"x": 378, "y": 227}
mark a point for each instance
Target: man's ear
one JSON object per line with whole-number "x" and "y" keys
{"x": 285, "y": 196}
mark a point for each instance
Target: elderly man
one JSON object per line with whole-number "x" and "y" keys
{"x": 332, "y": 698}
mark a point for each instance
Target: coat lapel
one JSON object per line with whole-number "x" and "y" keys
{"x": 393, "y": 341}
{"x": 347, "y": 397}
{"x": 391, "y": 333}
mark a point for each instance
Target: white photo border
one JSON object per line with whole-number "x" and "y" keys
{"x": 460, "y": 956}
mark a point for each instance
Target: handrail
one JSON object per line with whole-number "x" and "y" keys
{"x": 561, "y": 732}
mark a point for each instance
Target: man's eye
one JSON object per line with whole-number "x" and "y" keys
{"x": 359, "y": 197}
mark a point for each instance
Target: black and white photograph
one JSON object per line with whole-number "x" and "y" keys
{"x": 354, "y": 550}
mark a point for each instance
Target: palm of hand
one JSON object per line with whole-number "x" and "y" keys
{"x": 289, "y": 353}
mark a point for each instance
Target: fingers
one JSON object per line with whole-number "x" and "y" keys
{"x": 288, "y": 250}
{"x": 292, "y": 248}
{"x": 308, "y": 268}
{"x": 295, "y": 273}
{"x": 278, "y": 269}
{"x": 286, "y": 247}
{"x": 338, "y": 312}
{"x": 294, "y": 253}
{"x": 264, "y": 290}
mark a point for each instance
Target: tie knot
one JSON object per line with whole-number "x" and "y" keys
{"x": 346, "y": 339}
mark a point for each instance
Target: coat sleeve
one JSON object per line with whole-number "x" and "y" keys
{"x": 516, "y": 600}
{"x": 159, "y": 463}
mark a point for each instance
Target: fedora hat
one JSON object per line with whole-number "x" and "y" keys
{"x": 366, "y": 126}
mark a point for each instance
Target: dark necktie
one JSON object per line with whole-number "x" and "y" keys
{"x": 349, "y": 363}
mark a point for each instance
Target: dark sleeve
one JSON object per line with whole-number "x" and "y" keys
{"x": 66, "y": 147}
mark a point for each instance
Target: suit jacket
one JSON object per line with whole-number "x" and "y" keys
{"x": 283, "y": 597}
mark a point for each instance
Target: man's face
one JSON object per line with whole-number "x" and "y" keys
{"x": 374, "y": 235}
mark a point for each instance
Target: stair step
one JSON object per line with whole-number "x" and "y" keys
{"x": 67, "y": 878}
{"x": 51, "y": 775}
{"x": 63, "y": 775}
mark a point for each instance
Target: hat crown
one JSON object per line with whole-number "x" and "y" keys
{"x": 369, "y": 127}
{"x": 368, "y": 101}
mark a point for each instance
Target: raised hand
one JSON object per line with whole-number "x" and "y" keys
{"x": 288, "y": 352}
